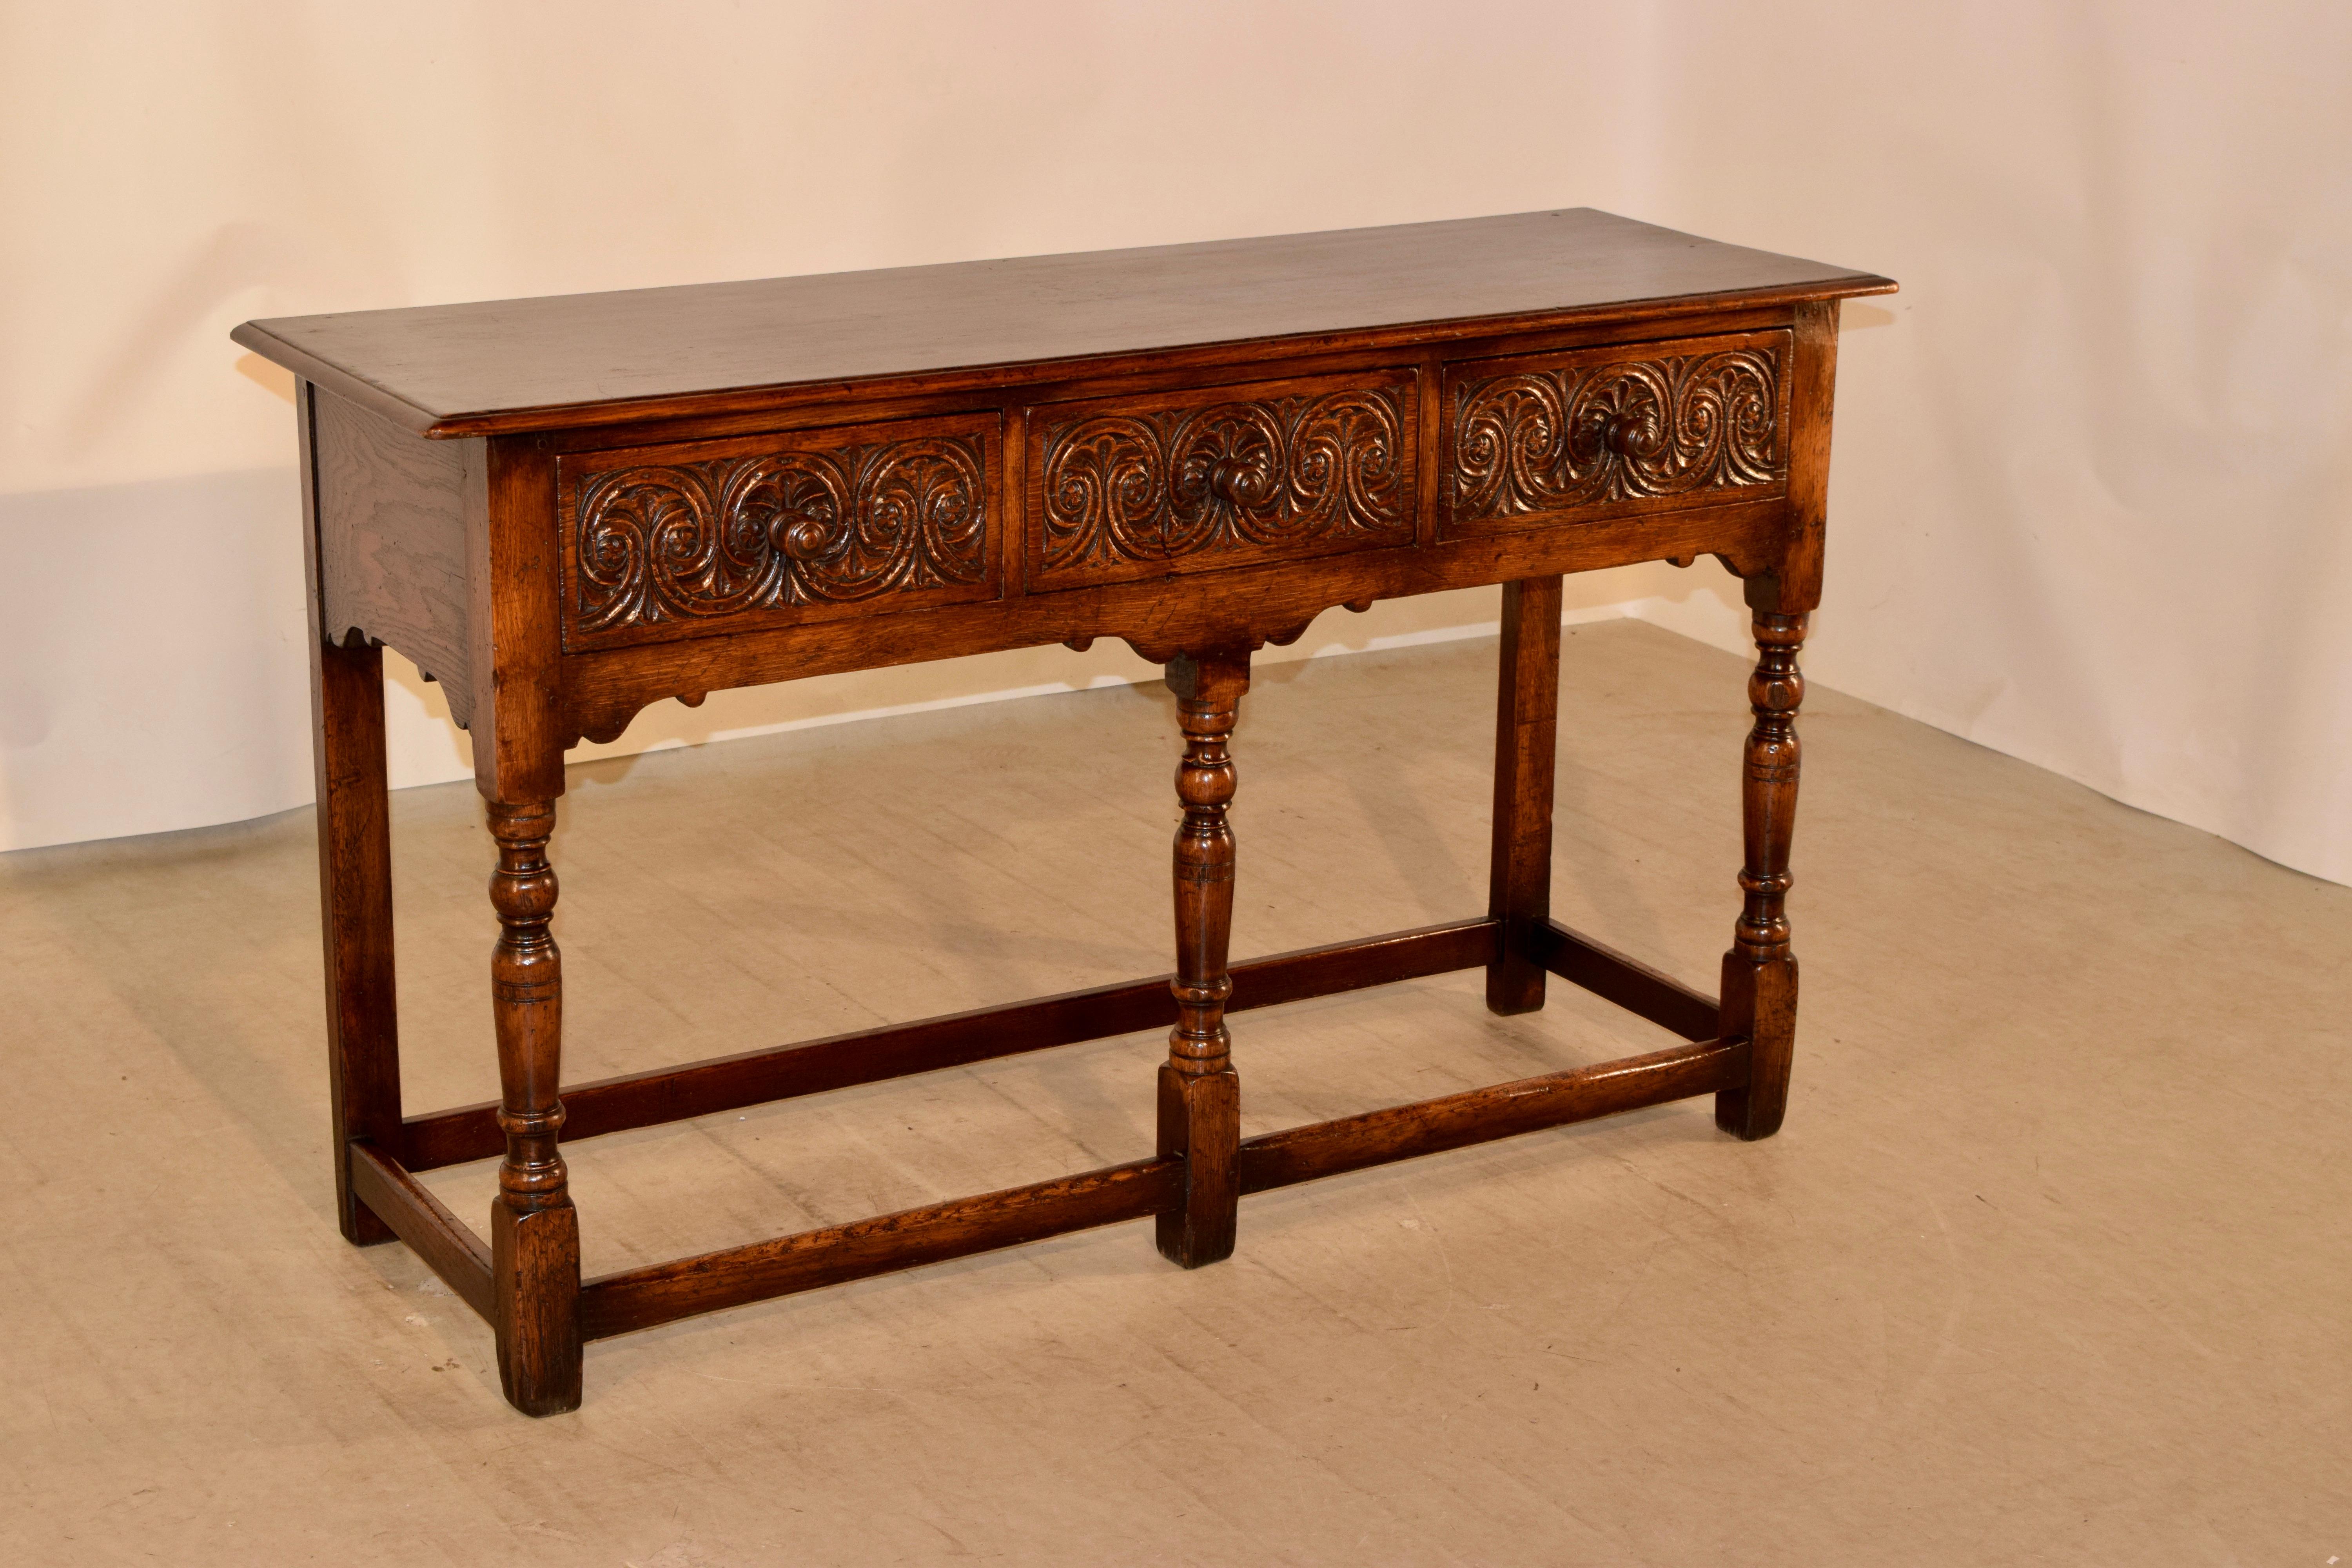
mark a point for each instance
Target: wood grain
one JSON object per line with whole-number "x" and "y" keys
{"x": 1197, "y": 449}
{"x": 984, "y": 1034}
{"x": 550, "y": 364}
{"x": 1628, "y": 982}
{"x": 420, "y": 1219}
{"x": 703, "y": 538}
{"x": 354, "y": 817}
{"x": 516, "y": 620}
{"x": 641, "y": 1298}
{"x": 1760, "y": 973}
{"x": 1199, "y": 1095}
{"x": 1792, "y": 585}
{"x": 1481, "y": 1115}
{"x": 1527, "y": 713}
{"x": 515, "y": 605}
{"x": 1537, "y": 440}
{"x": 534, "y": 1232}
{"x": 1208, "y": 478}
{"x": 1246, "y": 606}
{"x": 391, "y": 538}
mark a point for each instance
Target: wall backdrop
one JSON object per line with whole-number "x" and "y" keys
{"x": 2093, "y": 484}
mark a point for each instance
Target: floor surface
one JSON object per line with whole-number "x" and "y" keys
{"x": 2048, "y": 1266}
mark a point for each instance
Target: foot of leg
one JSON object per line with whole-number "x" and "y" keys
{"x": 1201, "y": 1123}
{"x": 535, "y": 1267}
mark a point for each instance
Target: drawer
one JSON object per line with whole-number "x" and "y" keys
{"x": 1539, "y": 439}
{"x": 1159, "y": 483}
{"x": 705, "y": 537}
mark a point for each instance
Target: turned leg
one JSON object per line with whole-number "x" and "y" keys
{"x": 534, "y": 1233}
{"x": 355, "y": 914}
{"x": 1527, "y": 722}
{"x": 1759, "y": 974}
{"x": 1200, "y": 1097}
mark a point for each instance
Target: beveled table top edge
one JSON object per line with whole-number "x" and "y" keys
{"x": 306, "y": 345}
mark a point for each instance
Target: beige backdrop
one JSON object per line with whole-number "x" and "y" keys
{"x": 2091, "y": 482}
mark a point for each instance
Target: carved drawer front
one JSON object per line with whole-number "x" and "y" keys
{"x": 703, "y": 537}
{"x": 1546, "y": 438}
{"x": 1157, "y": 483}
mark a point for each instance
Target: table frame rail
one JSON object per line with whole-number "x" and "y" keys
{"x": 955, "y": 1040}
{"x": 643, "y": 1298}
{"x": 448, "y": 1244}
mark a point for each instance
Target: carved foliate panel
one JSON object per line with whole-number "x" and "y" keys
{"x": 1160, "y": 483}
{"x": 1548, "y": 437}
{"x": 719, "y": 536}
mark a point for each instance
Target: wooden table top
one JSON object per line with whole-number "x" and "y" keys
{"x": 513, "y": 365}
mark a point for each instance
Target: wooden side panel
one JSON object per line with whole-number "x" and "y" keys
{"x": 781, "y": 529}
{"x": 391, "y": 540}
{"x": 1158, "y": 484}
{"x": 1539, "y": 440}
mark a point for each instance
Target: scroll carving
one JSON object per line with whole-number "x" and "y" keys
{"x": 695, "y": 542}
{"x": 1549, "y": 438}
{"x": 1274, "y": 476}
